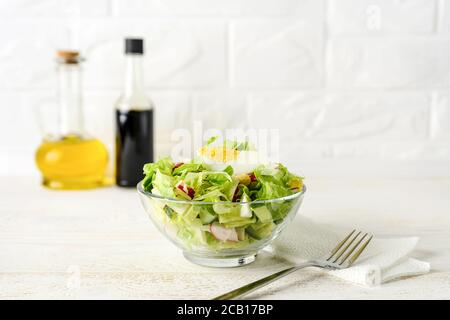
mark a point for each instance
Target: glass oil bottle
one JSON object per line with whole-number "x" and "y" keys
{"x": 70, "y": 158}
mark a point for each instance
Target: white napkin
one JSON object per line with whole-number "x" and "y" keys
{"x": 383, "y": 260}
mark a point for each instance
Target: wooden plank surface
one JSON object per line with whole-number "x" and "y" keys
{"x": 100, "y": 244}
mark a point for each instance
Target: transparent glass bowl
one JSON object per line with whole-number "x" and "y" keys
{"x": 179, "y": 220}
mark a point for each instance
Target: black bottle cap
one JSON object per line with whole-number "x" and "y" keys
{"x": 134, "y": 46}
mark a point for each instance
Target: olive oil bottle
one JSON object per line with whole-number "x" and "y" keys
{"x": 70, "y": 158}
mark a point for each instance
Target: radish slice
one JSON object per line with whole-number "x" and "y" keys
{"x": 191, "y": 192}
{"x": 182, "y": 186}
{"x": 222, "y": 233}
{"x": 178, "y": 164}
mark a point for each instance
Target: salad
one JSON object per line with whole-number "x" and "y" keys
{"x": 223, "y": 189}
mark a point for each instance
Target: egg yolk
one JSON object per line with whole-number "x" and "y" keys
{"x": 219, "y": 154}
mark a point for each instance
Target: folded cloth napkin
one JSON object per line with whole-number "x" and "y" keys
{"x": 383, "y": 260}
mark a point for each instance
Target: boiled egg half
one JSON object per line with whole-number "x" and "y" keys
{"x": 218, "y": 158}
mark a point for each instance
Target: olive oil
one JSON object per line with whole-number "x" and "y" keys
{"x": 72, "y": 162}
{"x": 70, "y": 158}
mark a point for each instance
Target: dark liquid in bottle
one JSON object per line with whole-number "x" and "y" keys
{"x": 134, "y": 145}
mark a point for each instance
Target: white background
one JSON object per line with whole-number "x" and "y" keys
{"x": 356, "y": 87}
{"x": 359, "y": 89}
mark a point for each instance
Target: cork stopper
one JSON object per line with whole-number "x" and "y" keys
{"x": 68, "y": 56}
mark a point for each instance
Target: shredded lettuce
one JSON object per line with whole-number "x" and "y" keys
{"x": 230, "y": 144}
{"x": 213, "y": 215}
{"x": 164, "y": 184}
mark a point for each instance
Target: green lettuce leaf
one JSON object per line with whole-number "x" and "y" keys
{"x": 164, "y": 184}
{"x": 164, "y": 165}
{"x": 186, "y": 168}
{"x": 192, "y": 220}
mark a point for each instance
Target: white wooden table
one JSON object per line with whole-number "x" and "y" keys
{"x": 100, "y": 244}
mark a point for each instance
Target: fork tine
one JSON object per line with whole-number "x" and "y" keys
{"x": 347, "y": 246}
{"x": 348, "y": 253}
{"x": 358, "y": 253}
{"x": 340, "y": 244}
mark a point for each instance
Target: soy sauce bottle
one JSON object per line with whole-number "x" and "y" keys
{"x": 134, "y": 120}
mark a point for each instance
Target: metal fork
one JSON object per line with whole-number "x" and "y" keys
{"x": 342, "y": 256}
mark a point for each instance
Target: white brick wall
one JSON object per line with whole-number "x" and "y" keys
{"x": 347, "y": 82}
{"x": 381, "y": 17}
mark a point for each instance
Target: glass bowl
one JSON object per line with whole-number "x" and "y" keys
{"x": 188, "y": 225}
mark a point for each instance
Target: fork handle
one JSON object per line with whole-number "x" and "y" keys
{"x": 262, "y": 282}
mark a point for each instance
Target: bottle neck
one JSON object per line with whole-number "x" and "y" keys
{"x": 69, "y": 94}
{"x": 134, "y": 78}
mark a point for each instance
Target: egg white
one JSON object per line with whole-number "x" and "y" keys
{"x": 246, "y": 162}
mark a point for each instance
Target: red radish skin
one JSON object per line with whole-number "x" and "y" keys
{"x": 252, "y": 177}
{"x": 178, "y": 164}
{"x": 191, "y": 192}
{"x": 184, "y": 187}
